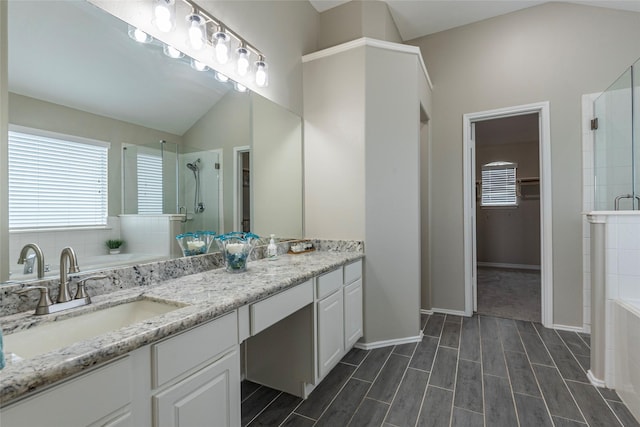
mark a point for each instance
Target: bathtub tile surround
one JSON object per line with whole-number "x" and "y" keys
{"x": 626, "y": 344}
{"x": 615, "y": 282}
{"x": 474, "y": 398}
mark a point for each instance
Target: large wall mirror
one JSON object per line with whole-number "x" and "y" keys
{"x": 219, "y": 159}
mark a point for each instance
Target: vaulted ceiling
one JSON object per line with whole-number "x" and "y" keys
{"x": 417, "y": 18}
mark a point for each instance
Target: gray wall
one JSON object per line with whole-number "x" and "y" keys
{"x": 226, "y": 125}
{"x": 38, "y": 114}
{"x": 554, "y": 52}
{"x": 4, "y": 120}
{"x": 357, "y": 19}
{"x": 362, "y": 174}
{"x": 509, "y": 235}
{"x": 284, "y": 31}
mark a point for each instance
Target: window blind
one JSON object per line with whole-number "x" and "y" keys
{"x": 56, "y": 183}
{"x": 499, "y": 184}
{"x": 149, "y": 183}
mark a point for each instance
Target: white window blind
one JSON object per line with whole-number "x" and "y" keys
{"x": 55, "y": 182}
{"x": 499, "y": 184}
{"x": 149, "y": 183}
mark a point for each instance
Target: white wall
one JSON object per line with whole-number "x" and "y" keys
{"x": 554, "y": 52}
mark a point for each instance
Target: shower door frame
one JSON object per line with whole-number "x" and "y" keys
{"x": 546, "y": 242}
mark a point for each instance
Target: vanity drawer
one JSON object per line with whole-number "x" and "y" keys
{"x": 187, "y": 350}
{"x": 352, "y": 272}
{"x": 273, "y": 309}
{"x": 329, "y": 282}
{"x": 87, "y": 399}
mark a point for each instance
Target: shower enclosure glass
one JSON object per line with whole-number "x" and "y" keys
{"x": 616, "y": 152}
{"x": 167, "y": 178}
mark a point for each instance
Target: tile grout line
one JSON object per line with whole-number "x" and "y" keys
{"x": 263, "y": 409}
{"x": 424, "y": 394}
{"x": 252, "y": 393}
{"x": 484, "y": 404}
{"x": 338, "y": 392}
{"x": 404, "y": 374}
{"x": 455, "y": 376}
{"x": 506, "y": 365}
{"x": 564, "y": 381}
{"x": 544, "y": 400}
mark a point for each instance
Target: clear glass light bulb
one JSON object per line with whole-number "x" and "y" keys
{"x": 221, "y": 77}
{"x": 140, "y": 35}
{"x": 172, "y": 52}
{"x": 261, "y": 74}
{"x": 239, "y": 87}
{"x": 197, "y": 65}
{"x": 222, "y": 52}
{"x": 195, "y": 36}
{"x": 163, "y": 17}
{"x": 242, "y": 65}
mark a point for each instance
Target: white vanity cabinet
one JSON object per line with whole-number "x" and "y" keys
{"x": 339, "y": 314}
{"x": 196, "y": 376}
{"x": 319, "y": 321}
{"x": 101, "y": 397}
{"x": 188, "y": 379}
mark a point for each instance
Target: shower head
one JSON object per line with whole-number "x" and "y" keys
{"x": 194, "y": 166}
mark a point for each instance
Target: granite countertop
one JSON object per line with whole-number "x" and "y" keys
{"x": 200, "y": 297}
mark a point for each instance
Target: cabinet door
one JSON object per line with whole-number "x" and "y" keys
{"x": 330, "y": 332}
{"x": 209, "y": 397}
{"x": 352, "y": 313}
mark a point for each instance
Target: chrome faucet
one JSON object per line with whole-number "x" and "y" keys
{"x": 67, "y": 254}
{"x": 39, "y": 257}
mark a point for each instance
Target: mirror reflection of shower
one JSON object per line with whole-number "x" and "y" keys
{"x": 198, "y": 205}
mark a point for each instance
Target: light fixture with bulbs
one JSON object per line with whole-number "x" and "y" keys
{"x": 139, "y": 35}
{"x": 226, "y": 44}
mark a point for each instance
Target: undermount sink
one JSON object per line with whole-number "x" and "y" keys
{"x": 54, "y": 335}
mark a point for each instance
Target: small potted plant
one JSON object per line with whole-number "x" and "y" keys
{"x": 114, "y": 245}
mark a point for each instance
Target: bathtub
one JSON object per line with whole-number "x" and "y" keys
{"x": 626, "y": 346}
{"x": 88, "y": 263}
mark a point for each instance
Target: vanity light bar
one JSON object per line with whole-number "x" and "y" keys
{"x": 220, "y": 40}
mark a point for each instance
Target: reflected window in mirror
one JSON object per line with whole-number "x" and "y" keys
{"x": 56, "y": 181}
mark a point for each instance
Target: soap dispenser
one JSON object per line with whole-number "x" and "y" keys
{"x": 272, "y": 249}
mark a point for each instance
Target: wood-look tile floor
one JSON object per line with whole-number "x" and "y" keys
{"x": 479, "y": 371}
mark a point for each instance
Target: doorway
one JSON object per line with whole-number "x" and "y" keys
{"x": 488, "y": 213}
{"x": 508, "y": 217}
{"x": 242, "y": 189}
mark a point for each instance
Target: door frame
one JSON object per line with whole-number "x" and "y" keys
{"x": 546, "y": 247}
{"x": 237, "y": 183}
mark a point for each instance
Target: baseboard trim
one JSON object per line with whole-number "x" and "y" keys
{"x": 386, "y": 343}
{"x": 447, "y": 311}
{"x": 423, "y": 311}
{"x": 568, "y": 328}
{"x": 507, "y": 265}
{"x": 594, "y": 381}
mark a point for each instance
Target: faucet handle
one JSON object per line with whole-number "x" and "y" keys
{"x": 81, "y": 293}
{"x": 45, "y": 299}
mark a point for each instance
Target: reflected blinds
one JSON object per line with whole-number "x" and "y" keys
{"x": 149, "y": 184}
{"x": 56, "y": 182}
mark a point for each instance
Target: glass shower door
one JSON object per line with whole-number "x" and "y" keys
{"x": 613, "y": 149}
